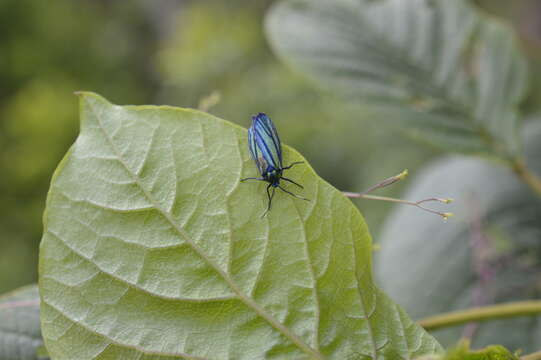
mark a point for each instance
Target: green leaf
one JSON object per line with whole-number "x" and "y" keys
{"x": 439, "y": 69}
{"x": 154, "y": 249}
{"x": 496, "y": 214}
{"x": 493, "y": 352}
{"x": 20, "y": 334}
{"x": 463, "y": 352}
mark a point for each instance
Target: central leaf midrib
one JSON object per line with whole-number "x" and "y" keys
{"x": 245, "y": 299}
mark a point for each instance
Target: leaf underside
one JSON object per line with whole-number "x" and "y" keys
{"x": 153, "y": 249}
{"x": 20, "y": 334}
{"x": 439, "y": 69}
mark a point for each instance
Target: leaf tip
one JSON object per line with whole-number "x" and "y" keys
{"x": 82, "y": 95}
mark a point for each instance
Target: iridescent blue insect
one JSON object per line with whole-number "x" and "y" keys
{"x": 266, "y": 150}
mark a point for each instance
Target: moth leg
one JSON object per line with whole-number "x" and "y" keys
{"x": 294, "y": 195}
{"x": 252, "y": 178}
{"x": 269, "y": 196}
{"x": 291, "y": 181}
{"x": 293, "y": 164}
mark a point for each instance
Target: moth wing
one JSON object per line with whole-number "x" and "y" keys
{"x": 275, "y": 136}
{"x": 254, "y": 151}
{"x": 267, "y": 140}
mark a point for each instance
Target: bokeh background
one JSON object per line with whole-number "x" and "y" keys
{"x": 177, "y": 53}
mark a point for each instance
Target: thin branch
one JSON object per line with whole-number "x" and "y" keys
{"x": 392, "y": 180}
{"x": 209, "y": 101}
{"x": 522, "y": 171}
{"x": 532, "y": 356}
{"x": 386, "y": 182}
{"x": 444, "y": 215}
{"x": 518, "y": 308}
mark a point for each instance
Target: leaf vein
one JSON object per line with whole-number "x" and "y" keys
{"x": 361, "y": 298}
{"x": 117, "y": 343}
{"x": 312, "y": 274}
{"x": 128, "y": 283}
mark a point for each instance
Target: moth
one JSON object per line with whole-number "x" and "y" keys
{"x": 266, "y": 151}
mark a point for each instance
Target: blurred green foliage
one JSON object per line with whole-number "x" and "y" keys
{"x": 48, "y": 50}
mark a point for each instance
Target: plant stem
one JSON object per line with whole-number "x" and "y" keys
{"x": 386, "y": 182}
{"x": 392, "y": 180}
{"x": 532, "y": 356}
{"x": 406, "y": 202}
{"x": 209, "y": 101}
{"x": 526, "y": 175}
{"x": 518, "y": 308}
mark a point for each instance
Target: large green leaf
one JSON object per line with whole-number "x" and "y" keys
{"x": 437, "y": 68}
{"x": 153, "y": 249}
{"x": 20, "y": 334}
{"x": 493, "y": 352}
{"x": 496, "y": 214}
{"x": 463, "y": 352}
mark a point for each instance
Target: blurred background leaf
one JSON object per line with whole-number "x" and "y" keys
{"x": 20, "y": 333}
{"x": 437, "y": 68}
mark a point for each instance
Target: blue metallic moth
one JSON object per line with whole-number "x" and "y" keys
{"x": 266, "y": 151}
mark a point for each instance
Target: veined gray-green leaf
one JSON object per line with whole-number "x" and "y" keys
{"x": 154, "y": 249}
{"x": 489, "y": 253}
{"x": 20, "y": 334}
{"x": 437, "y": 68}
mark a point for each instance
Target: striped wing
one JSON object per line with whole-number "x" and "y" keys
{"x": 265, "y": 143}
{"x": 255, "y": 153}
